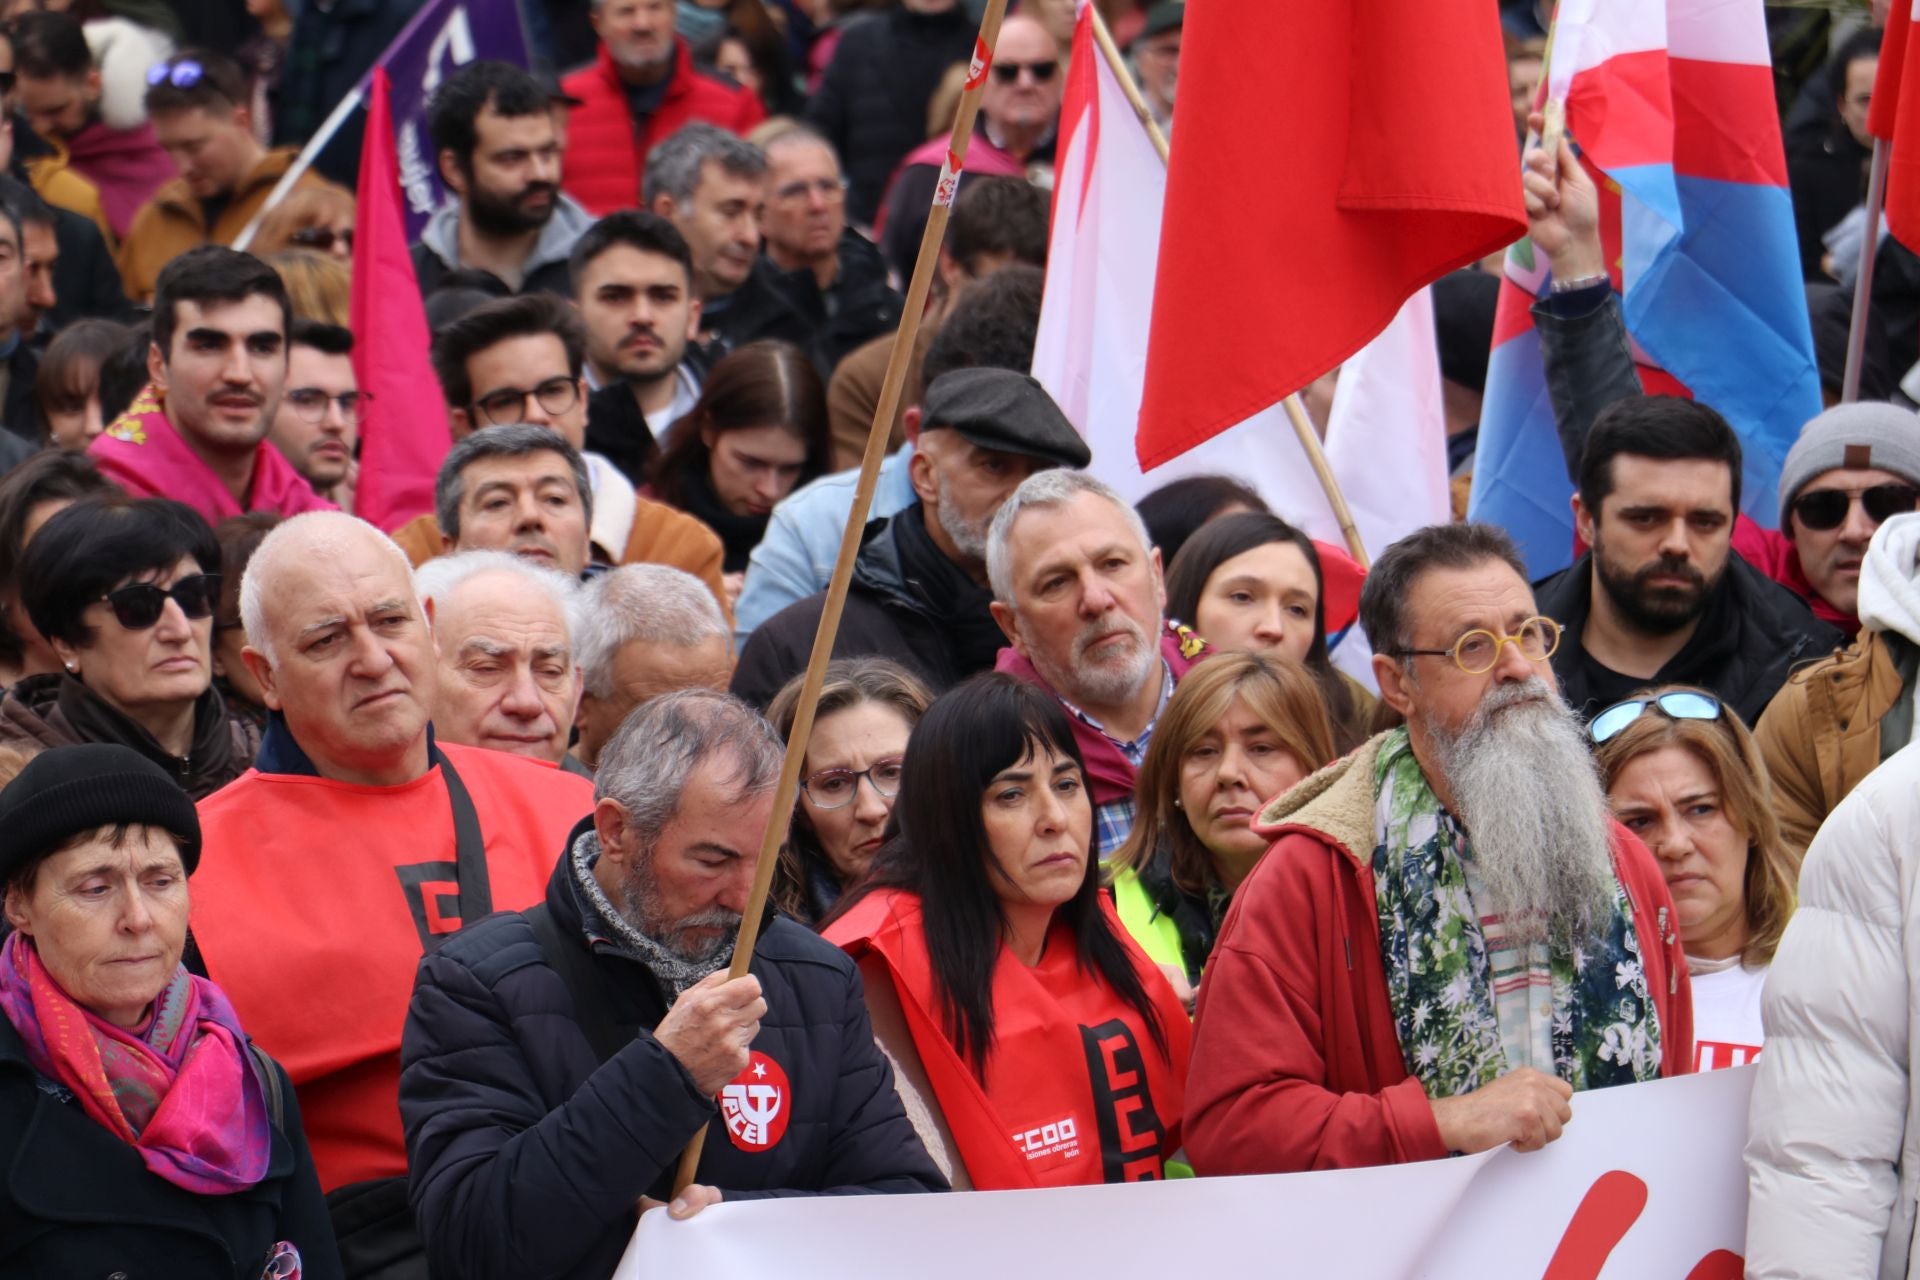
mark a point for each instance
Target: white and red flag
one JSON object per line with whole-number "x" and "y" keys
{"x": 1895, "y": 117}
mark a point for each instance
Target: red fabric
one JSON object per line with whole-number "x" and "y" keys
{"x": 1069, "y": 1126}
{"x": 1109, "y": 775}
{"x": 1773, "y": 553}
{"x": 1369, "y": 169}
{"x": 143, "y": 453}
{"x": 605, "y": 153}
{"x": 1341, "y": 579}
{"x": 406, "y": 435}
{"x": 313, "y": 904}
{"x": 1893, "y": 119}
{"x": 1297, "y": 1062}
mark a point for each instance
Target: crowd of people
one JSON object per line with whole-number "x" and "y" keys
{"x": 370, "y": 895}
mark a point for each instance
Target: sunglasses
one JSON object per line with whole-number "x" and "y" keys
{"x": 138, "y": 605}
{"x": 183, "y": 74}
{"x": 1008, "y": 72}
{"x": 1826, "y": 508}
{"x": 321, "y": 238}
{"x": 1681, "y": 705}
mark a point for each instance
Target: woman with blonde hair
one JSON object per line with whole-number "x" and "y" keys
{"x": 318, "y": 216}
{"x": 319, "y": 286}
{"x": 1240, "y": 729}
{"x": 1685, "y": 776}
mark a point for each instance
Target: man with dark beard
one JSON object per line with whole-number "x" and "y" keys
{"x": 1662, "y": 598}
{"x": 1450, "y": 936}
{"x": 494, "y": 142}
{"x": 558, "y": 1059}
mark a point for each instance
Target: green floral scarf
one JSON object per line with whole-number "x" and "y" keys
{"x": 1439, "y": 979}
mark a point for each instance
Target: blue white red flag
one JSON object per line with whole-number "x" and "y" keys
{"x": 1671, "y": 102}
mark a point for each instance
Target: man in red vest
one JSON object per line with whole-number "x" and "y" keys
{"x": 642, "y": 87}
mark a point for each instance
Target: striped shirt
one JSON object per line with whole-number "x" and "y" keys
{"x": 1522, "y": 988}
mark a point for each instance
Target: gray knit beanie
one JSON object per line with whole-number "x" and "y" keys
{"x": 1869, "y": 434}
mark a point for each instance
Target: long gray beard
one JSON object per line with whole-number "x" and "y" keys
{"x": 1525, "y": 787}
{"x": 638, "y": 934}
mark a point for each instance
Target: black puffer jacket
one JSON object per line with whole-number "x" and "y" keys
{"x": 790, "y": 306}
{"x": 872, "y": 101}
{"x": 529, "y": 1157}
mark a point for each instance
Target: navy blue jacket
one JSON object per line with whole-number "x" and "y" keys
{"x": 528, "y": 1156}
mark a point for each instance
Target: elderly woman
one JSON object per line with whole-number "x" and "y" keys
{"x": 124, "y": 591}
{"x": 140, "y": 1131}
{"x": 855, "y": 759}
{"x": 1240, "y": 729}
{"x": 987, "y": 949}
{"x": 1684, "y": 775}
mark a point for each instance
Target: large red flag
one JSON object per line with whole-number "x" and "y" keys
{"x": 406, "y": 433}
{"x": 1895, "y": 117}
{"x": 1330, "y": 157}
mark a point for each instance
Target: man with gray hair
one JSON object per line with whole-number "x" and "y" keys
{"x": 355, "y": 844}
{"x": 558, "y": 1059}
{"x": 520, "y": 489}
{"x": 707, "y": 183}
{"x": 1079, "y": 593}
{"x": 1451, "y": 936}
{"x": 503, "y": 628}
{"x": 645, "y": 630}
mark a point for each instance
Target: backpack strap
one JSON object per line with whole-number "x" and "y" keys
{"x": 270, "y": 1085}
{"x": 592, "y": 1002}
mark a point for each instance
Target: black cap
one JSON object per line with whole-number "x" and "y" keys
{"x": 551, "y": 86}
{"x": 68, "y": 791}
{"x": 1005, "y": 410}
{"x": 1463, "y": 305}
{"x": 1163, "y": 17}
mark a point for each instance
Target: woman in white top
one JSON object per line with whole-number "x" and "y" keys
{"x": 1684, "y": 775}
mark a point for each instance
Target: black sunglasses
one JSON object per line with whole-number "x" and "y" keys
{"x": 1827, "y": 508}
{"x": 1008, "y": 72}
{"x": 138, "y": 605}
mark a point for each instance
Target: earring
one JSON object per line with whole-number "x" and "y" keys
{"x": 1178, "y": 805}
{"x": 73, "y": 668}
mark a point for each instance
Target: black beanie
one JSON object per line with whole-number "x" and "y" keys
{"x": 67, "y": 791}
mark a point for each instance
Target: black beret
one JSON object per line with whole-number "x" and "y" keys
{"x": 68, "y": 791}
{"x": 1005, "y": 410}
{"x": 1165, "y": 16}
{"x": 1463, "y": 305}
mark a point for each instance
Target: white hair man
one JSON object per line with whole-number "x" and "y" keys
{"x": 1078, "y": 590}
{"x": 357, "y": 842}
{"x": 1451, "y": 936}
{"x": 509, "y": 673}
{"x": 645, "y": 630}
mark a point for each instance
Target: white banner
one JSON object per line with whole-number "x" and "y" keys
{"x": 1646, "y": 1184}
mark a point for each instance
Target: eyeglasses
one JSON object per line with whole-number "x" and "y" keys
{"x": 311, "y": 404}
{"x": 138, "y": 605}
{"x": 1682, "y": 705}
{"x": 322, "y": 238}
{"x": 831, "y": 190}
{"x": 555, "y": 396}
{"x": 1008, "y": 72}
{"x": 1827, "y": 508}
{"x": 835, "y": 788}
{"x": 183, "y": 74}
{"x": 1477, "y": 651}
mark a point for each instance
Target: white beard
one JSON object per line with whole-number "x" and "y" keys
{"x": 1109, "y": 683}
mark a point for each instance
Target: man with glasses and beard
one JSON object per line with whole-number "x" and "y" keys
{"x": 558, "y": 1059}
{"x": 1661, "y": 597}
{"x": 1450, "y": 936}
{"x": 494, "y": 142}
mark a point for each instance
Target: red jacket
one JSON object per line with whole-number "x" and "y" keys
{"x": 1301, "y": 1068}
{"x": 606, "y": 152}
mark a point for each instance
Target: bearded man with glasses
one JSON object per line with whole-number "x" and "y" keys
{"x": 1450, "y": 936}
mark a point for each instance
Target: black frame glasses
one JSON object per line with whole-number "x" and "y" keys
{"x": 138, "y": 605}
{"x": 1478, "y": 651}
{"x": 1681, "y": 704}
{"x": 503, "y": 407}
{"x": 310, "y": 404}
{"x": 886, "y": 787}
{"x": 1826, "y": 509}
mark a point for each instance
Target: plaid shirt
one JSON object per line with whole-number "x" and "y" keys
{"x": 1113, "y": 821}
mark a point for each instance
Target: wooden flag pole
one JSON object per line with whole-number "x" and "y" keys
{"x": 877, "y": 435}
{"x": 1296, "y": 410}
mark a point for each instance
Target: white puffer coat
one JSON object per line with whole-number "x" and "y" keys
{"x": 1833, "y": 1147}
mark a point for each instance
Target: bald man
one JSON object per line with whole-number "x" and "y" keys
{"x": 357, "y": 842}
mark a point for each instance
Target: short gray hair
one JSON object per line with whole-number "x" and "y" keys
{"x": 673, "y": 166}
{"x": 519, "y": 440}
{"x": 302, "y": 535}
{"x": 1043, "y": 489}
{"x": 651, "y": 604}
{"x": 442, "y": 576}
{"x": 1391, "y": 579}
{"x": 647, "y": 763}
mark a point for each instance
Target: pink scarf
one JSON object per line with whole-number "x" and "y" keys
{"x": 143, "y": 454}
{"x": 180, "y": 1090}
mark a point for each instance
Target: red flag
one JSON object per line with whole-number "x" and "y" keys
{"x": 406, "y": 434}
{"x": 1895, "y": 117}
{"x": 1330, "y": 157}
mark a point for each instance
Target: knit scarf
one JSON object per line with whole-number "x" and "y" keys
{"x": 179, "y": 1090}
{"x": 606, "y": 927}
{"x": 1439, "y": 979}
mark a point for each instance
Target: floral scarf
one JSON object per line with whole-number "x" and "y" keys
{"x": 180, "y": 1090}
{"x": 1439, "y": 979}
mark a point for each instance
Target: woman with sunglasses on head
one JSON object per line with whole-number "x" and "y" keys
{"x": 995, "y": 967}
{"x": 1686, "y": 777}
{"x": 124, "y": 590}
{"x": 867, "y": 709}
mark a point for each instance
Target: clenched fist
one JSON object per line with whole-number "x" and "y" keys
{"x": 710, "y": 1027}
{"x": 1525, "y": 1107}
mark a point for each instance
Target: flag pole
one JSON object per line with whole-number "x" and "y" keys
{"x": 1863, "y": 283}
{"x": 1296, "y": 410}
{"x": 850, "y": 538}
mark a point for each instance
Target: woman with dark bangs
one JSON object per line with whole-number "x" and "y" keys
{"x": 67, "y": 387}
{"x": 1034, "y": 1043}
